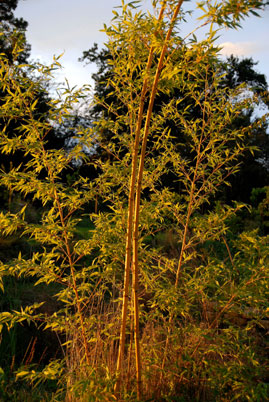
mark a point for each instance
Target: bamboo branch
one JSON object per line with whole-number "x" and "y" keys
{"x": 66, "y": 241}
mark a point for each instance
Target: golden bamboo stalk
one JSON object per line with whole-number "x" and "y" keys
{"x": 138, "y": 194}
{"x": 128, "y": 248}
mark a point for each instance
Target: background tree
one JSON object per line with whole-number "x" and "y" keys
{"x": 13, "y": 32}
{"x": 254, "y": 170}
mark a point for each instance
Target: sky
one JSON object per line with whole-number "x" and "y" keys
{"x": 73, "y": 26}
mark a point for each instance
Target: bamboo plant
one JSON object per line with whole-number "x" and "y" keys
{"x": 165, "y": 236}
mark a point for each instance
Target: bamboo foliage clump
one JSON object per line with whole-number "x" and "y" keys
{"x": 215, "y": 146}
{"x": 141, "y": 296}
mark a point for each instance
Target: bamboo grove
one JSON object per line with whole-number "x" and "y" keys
{"x": 147, "y": 303}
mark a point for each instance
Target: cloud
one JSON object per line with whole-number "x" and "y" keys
{"x": 239, "y": 48}
{"x": 76, "y": 75}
